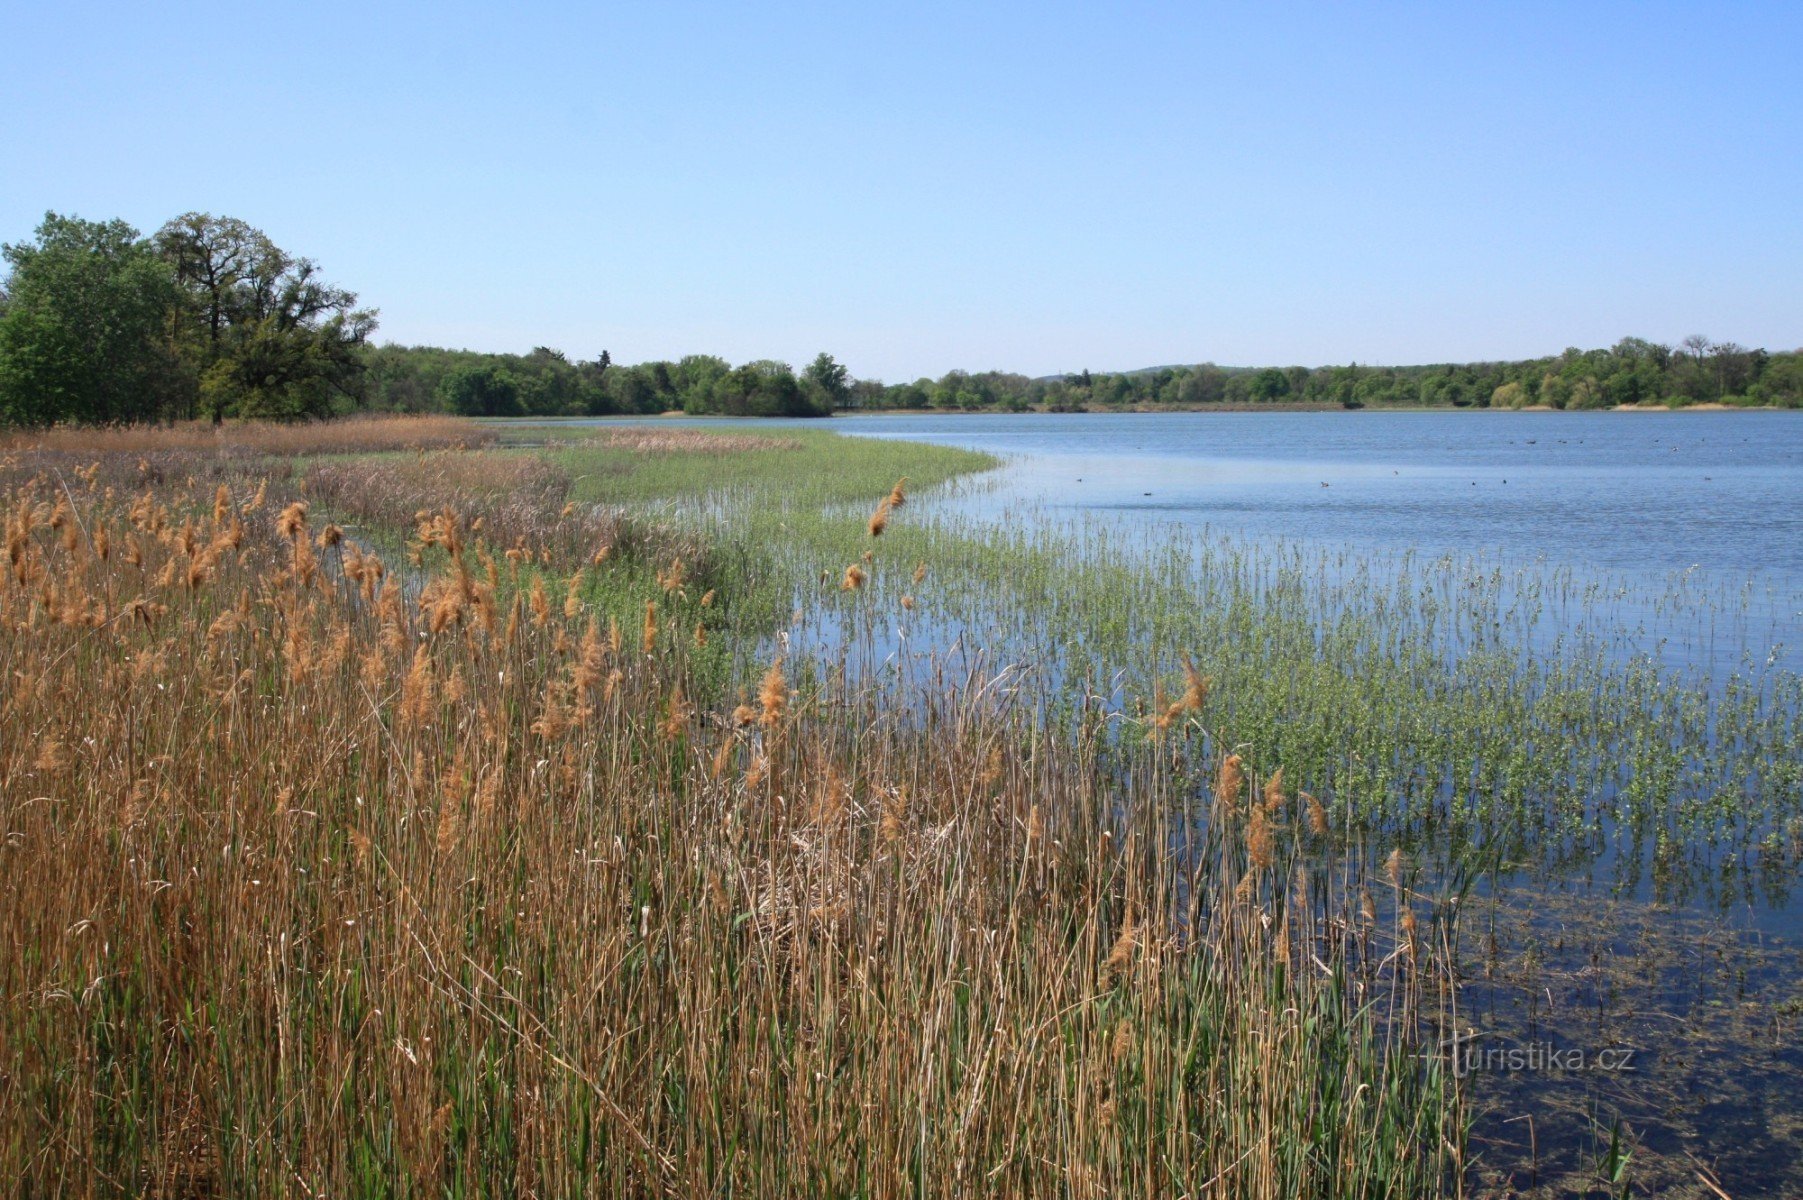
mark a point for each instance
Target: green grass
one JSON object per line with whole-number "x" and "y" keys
{"x": 802, "y": 470}
{"x": 1406, "y": 693}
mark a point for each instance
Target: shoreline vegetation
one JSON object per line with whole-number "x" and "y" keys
{"x": 458, "y": 868}
{"x": 391, "y": 808}
{"x": 208, "y": 318}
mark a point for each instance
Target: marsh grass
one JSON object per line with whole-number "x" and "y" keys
{"x": 351, "y": 435}
{"x": 338, "y": 869}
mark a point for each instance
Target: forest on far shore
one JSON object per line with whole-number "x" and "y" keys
{"x": 209, "y": 318}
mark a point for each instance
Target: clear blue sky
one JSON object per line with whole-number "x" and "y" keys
{"x": 1035, "y": 187}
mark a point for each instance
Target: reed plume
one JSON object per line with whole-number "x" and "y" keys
{"x": 1229, "y": 781}
{"x": 540, "y": 603}
{"x": 1195, "y": 686}
{"x": 676, "y": 718}
{"x": 1260, "y": 845}
{"x": 773, "y": 696}
{"x": 1120, "y": 955}
{"x": 292, "y": 522}
{"x": 1317, "y": 815}
{"x": 1274, "y": 797}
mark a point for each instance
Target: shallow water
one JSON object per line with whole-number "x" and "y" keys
{"x": 1709, "y": 502}
{"x": 1719, "y": 491}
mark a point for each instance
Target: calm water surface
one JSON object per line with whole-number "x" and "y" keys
{"x": 1718, "y": 491}
{"x": 1712, "y": 499}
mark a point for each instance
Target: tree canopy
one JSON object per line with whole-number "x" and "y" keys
{"x": 100, "y": 324}
{"x": 84, "y": 327}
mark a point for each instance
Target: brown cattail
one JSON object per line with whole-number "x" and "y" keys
{"x": 1259, "y": 843}
{"x": 586, "y": 672}
{"x": 450, "y": 824}
{"x": 1121, "y": 953}
{"x": 1195, "y": 686}
{"x": 552, "y": 719}
{"x": 1229, "y": 781}
{"x": 676, "y": 721}
{"x": 1274, "y": 799}
{"x": 773, "y": 696}
{"x": 1317, "y": 815}
{"x": 293, "y": 520}
{"x": 416, "y": 691}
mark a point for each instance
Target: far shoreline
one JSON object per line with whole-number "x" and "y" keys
{"x": 1710, "y": 406}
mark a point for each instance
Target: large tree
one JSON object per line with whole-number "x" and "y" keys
{"x": 86, "y": 329}
{"x": 272, "y": 338}
{"x": 826, "y": 383}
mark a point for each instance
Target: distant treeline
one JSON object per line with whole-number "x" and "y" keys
{"x": 209, "y": 318}
{"x": 1632, "y": 372}
{"x": 546, "y": 383}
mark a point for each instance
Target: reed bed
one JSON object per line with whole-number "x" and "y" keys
{"x": 350, "y": 435}
{"x": 332, "y": 869}
{"x": 640, "y": 440}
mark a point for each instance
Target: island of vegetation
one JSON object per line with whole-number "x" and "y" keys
{"x": 209, "y": 318}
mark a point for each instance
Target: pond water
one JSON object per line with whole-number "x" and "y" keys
{"x": 1711, "y": 502}
{"x": 1720, "y": 491}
